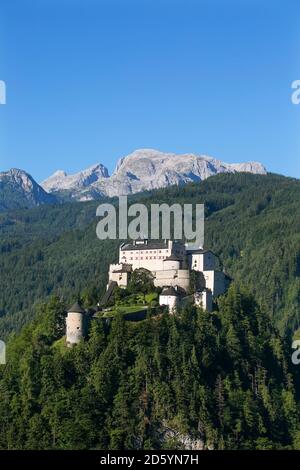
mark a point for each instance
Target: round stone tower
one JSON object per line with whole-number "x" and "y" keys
{"x": 172, "y": 262}
{"x": 75, "y": 325}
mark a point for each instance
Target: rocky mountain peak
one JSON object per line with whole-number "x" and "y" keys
{"x": 18, "y": 189}
{"x": 60, "y": 180}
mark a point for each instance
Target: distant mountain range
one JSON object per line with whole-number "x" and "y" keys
{"x": 142, "y": 170}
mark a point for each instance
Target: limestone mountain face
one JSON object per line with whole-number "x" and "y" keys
{"x": 19, "y": 190}
{"x": 143, "y": 170}
{"x": 77, "y": 183}
{"x": 151, "y": 169}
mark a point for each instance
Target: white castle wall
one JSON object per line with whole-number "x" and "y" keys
{"x": 202, "y": 261}
{"x": 115, "y": 267}
{"x": 121, "y": 278}
{"x": 171, "y": 264}
{"x": 172, "y": 277}
{"x": 204, "y": 300}
{"x": 148, "y": 259}
{"x": 215, "y": 281}
{"x": 170, "y": 300}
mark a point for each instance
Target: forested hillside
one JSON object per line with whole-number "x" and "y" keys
{"x": 221, "y": 380}
{"x": 253, "y": 224}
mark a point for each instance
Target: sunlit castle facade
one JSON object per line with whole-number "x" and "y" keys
{"x": 170, "y": 263}
{"x": 150, "y": 254}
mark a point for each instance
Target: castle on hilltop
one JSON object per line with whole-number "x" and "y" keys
{"x": 171, "y": 263}
{"x": 181, "y": 272}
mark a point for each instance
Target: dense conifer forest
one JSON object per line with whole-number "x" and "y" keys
{"x": 221, "y": 380}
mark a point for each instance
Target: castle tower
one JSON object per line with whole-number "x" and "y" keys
{"x": 169, "y": 297}
{"x": 172, "y": 262}
{"x": 75, "y": 325}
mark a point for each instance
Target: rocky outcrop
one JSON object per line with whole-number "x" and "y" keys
{"x": 185, "y": 441}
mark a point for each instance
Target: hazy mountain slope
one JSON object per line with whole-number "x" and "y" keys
{"x": 19, "y": 190}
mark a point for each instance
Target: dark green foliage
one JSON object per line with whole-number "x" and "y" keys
{"x": 141, "y": 280}
{"x": 224, "y": 378}
{"x": 197, "y": 281}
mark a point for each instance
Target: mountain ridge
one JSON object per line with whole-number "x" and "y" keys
{"x": 142, "y": 170}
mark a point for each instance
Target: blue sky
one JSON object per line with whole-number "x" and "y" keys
{"x": 92, "y": 80}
